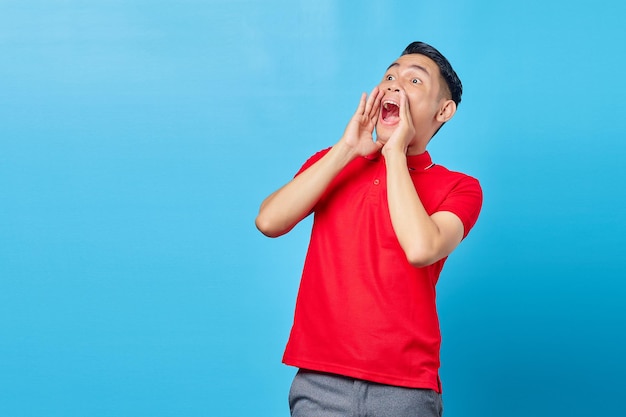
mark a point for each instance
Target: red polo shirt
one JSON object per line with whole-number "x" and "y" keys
{"x": 363, "y": 310}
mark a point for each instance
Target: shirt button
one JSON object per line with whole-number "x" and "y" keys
{"x": 376, "y": 181}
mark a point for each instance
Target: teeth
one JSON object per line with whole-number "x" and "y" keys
{"x": 386, "y": 104}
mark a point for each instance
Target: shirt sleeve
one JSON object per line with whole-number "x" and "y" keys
{"x": 465, "y": 201}
{"x": 312, "y": 160}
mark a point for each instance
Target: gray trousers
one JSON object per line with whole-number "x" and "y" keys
{"x": 315, "y": 394}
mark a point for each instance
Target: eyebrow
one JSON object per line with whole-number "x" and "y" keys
{"x": 414, "y": 66}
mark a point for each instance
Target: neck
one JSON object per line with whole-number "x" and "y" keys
{"x": 417, "y": 147}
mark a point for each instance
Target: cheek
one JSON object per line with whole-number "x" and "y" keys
{"x": 417, "y": 106}
{"x": 422, "y": 106}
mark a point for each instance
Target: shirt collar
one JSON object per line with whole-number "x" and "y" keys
{"x": 419, "y": 163}
{"x": 416, "y": 163}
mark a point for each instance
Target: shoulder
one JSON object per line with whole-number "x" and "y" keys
{"x": 443, "y": 171}
{"x": 464, "y": 195}
{"x": 455, "y": 177}
{"x": 313, "y": 159}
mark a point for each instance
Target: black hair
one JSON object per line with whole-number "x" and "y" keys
{"x": 447, "y": 72}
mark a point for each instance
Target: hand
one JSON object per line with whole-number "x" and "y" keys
{"x": 402, "y": 136}
{"x": 358, "y": 134}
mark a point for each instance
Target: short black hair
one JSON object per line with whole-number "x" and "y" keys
{"x": 447, "y": 72}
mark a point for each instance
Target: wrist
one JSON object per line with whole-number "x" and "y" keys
{"x": 343, "y": 152}
{"x": 393, "y": 152}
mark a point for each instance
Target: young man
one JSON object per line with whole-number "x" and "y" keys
{"x": 366, "y": 334}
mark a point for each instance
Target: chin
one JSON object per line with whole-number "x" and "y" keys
{"x": 383, "y": 133}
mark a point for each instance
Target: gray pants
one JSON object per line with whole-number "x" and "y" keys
{"x": 315, "y": 394}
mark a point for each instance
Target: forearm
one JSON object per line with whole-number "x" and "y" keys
{"x": 416, "y": 231}
{"x": 284, "y": 208}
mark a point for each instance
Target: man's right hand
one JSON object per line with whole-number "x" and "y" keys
{"x": 284, "y": 208}
{"x": 358, "y": 136}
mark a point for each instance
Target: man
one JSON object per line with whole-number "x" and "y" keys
{"x": 366, "y": 335}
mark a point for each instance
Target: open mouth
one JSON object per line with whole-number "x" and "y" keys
{"x": 390, "y": 112}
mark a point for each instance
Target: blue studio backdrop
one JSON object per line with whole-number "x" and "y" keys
{"x": 138, "y": 138}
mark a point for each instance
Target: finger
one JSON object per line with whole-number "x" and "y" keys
{"x": 405, "y": 111}
{"x": 375, "y": 110}
{"x": 373, "y": 105}
{"x": 370, "y": 102}
{"x": 361, "y": 107}
{"x": 374, "y": 118}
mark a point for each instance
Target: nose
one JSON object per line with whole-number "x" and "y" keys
{"x": 392, "y": 84}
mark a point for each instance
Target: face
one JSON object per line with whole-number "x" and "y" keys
{"x": 419, "y": 77}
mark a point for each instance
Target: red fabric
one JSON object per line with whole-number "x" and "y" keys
{"x": 362, "y": 310}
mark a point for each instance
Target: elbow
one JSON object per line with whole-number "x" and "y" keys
{"x": 267, "y": 227}
{"x": 420, "y": 257}
{"x": 264, "y": 222}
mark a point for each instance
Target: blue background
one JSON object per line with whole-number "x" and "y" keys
{"x": 138, "y": 138}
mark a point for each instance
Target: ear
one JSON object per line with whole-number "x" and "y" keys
{"x": 446, "y": 111}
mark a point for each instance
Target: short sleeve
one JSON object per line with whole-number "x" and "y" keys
{"x": 312, "y": 160}
{"x": 464, "y": 200}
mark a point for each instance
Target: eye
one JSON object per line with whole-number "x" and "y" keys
{"x": 389, "y": 78}
{"x": 416, "y": 81}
